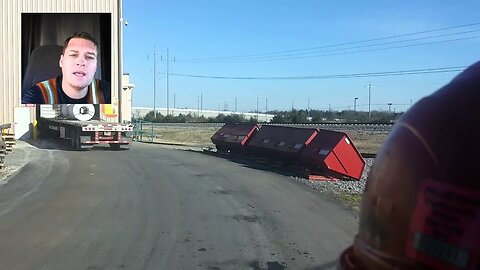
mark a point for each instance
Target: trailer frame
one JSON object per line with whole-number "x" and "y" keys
{"x": 86, "y": 134}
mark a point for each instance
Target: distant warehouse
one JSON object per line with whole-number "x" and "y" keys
{"x": 140, "y": 112}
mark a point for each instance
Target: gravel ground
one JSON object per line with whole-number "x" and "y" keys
{"x": 15, "y": 160}
{"x": 349, "y": 187}
{"x": 349, "y": 192}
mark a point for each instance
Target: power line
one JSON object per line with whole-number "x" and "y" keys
{"x": 315, "y": 55}
{"x": 333, "y": 45}
{"x": 336, "y": 76}
{"x": 360, "y": 105}
{"x": 374, "y": 45}
{"x": 371, "y": 50}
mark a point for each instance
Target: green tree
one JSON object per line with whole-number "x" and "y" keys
{"x": 149, "y": 117}
{"x": 234, "y": 118}
{"x": 169, "y": 119}
{"x": 253, "y": 120}
{"x": 278, "y": 118}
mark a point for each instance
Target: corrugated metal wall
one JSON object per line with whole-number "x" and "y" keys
{"x": 10, "y": 40}
{"x": 9, "y": 57}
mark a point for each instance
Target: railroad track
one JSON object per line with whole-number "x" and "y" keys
{"x": 365, "y": 127}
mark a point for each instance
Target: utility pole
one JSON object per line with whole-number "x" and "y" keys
{"x": 257, "y": 108}
{"x": 168, "y": 77}
{"x": 201, "y": 102}
{"x": 167, "y": 81}
{"x": 355, "y": 104}
{"x": 236, "y": 104}
{"x": 174, "y": 100}
{"x": 266, "y": 105}
{"x": 369, "y": 100}
{"x": 154, "y": 95}
{"x": 198, "y": 106}
{"x": 308, "y": 108}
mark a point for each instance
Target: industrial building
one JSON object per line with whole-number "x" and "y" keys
{"x": 140, "y": 112}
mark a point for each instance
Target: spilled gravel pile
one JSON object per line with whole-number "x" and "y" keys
{"x": 349, "y": 187}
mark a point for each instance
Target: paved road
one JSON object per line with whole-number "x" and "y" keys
{"x": 156, "y": 208}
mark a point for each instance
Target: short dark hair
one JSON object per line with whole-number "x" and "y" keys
{"x": 83, "y": 35}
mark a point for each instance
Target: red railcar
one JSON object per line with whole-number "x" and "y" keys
{"x": 317, "y": 151}
{"x": 333, "y": 153}
{"x": 233, "y": 137}
{"x": 281, "y": 142}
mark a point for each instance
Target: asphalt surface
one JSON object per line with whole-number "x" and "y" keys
{"x": 156, "y": 208}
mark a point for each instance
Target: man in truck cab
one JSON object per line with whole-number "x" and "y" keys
{"x": 77, "y": 84}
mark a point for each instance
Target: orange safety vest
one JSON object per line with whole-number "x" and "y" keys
{"x": 50, "y": 92}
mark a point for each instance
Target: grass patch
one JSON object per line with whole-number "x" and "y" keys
{"x": 352, "y": 200}
{"x": 367, "y": 142}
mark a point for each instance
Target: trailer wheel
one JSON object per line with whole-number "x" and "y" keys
{"x": 43, "y": 132}
{"x": 72, "y": 138}
{"x": 75, "y": 139}
{"x": 115, "y": 146}
{"x": 77, "y": 143}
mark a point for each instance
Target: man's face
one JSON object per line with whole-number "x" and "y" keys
{"x": 79, "y": 63}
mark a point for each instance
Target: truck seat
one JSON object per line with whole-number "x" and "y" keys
{"x": 43, "y": 65}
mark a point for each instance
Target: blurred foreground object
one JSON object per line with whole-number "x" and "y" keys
{"x": 421, "y": 205}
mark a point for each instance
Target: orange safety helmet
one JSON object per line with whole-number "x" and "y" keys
{"x": 421, "y": 205}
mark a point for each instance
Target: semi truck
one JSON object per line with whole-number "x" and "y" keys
{"x": 80, "y": 126}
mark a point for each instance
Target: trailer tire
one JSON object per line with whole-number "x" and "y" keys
{"x": 72, "y": 138}
{"x": 43, "y": 132}
{"x": 77, "y": 142}
{"x": 75, "y": 139}
{"x": 114, "y": 146}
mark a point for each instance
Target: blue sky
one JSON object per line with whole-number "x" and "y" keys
{"x": 198, "y": 31}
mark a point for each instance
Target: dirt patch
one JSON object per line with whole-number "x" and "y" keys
{"x": 181, "y": 136}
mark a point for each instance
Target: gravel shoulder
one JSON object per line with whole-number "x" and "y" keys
{"x": 348, "y": 192}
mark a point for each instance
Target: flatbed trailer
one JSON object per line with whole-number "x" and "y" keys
{"x": 86, "y": 134}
